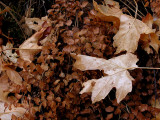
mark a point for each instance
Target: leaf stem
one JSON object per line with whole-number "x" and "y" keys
{"x": 149, "y": 68}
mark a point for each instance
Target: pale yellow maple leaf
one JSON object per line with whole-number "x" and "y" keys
{"x": 130, "y": 29}
{"x": 30, "y": 46}
{"x": 117, "y": 75}
{"x": 129, "y": 34}
{"x": 6, "y": 113}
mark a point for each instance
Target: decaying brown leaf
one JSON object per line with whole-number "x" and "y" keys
{"x": 13, "y": 75}
{"x": 117, "y": 75}
{"x": 149, "y": 39}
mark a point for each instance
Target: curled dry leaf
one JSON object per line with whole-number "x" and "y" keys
{"x": 13, "y": 75}
{"x": 130, "y": 28}
{"x": 30, "y": 46}
{"x": 107, "y": 13}
{"x": 6, "y": 114}
{"x": 117, "y": 75}
{"x": 148, "y": 19}
{"x": 149, "y": 39}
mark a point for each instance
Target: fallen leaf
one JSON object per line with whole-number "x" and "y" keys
{"x": 30, "y": 46}
{"x": 149, "y": 39}
{"x": 117, "y": 75}
{"x": 130, "y": 29}
{"x": 148, "y": 20}
{"x": 6, "y": 114}
{"x": 107, "y": 13}
{"x": 128, "y": 36}
{"x": 13, "y": 75}
{"x": 111, "y": 8}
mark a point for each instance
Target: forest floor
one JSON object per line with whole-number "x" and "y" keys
{"x": 37, "y": 74}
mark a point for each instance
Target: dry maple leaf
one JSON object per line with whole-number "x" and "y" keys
{"x": 129, "y": 33}
{"x": 117, "y": 75}
{"x": 130, "y": 28}
{"x": 6, "y": 114}
{"x": 30, "y": 46}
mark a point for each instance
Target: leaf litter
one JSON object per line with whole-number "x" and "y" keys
{"x": 41, "y": 72}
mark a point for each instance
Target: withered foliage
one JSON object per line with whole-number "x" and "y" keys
{"x": 50, "y": 85}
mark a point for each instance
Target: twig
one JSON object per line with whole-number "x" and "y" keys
{"x": 144, "y": 6}
{"x": 135, "y": 7}
{"x": 13, "y": 18}
{"x": 18, "y": 49}
{"x": 130, "y": 8}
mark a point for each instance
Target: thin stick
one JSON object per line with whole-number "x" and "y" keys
{"x": 130, "y": 8}
{"x": 149, "y": 68}
{"x": 135, "y": 7}
{"x": 144, "y": 6}
{"x": 13, "y": 18}
{"x": 19, "y": 49}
